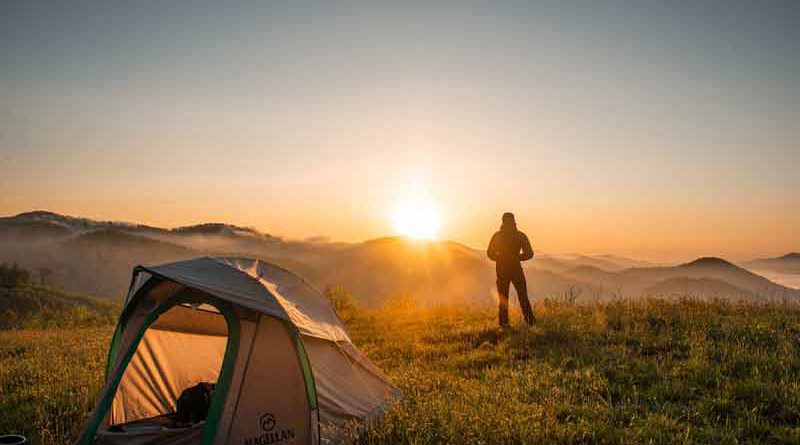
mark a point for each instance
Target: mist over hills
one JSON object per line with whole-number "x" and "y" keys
{"x": 704, "y": 277}
{"x": 96, "y": 257}
{"x": 789, "y": 264}
{"x": 611, "y": 263}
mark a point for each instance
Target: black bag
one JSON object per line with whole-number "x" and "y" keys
{"x": 193, "y": 403}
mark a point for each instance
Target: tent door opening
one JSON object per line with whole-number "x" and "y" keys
{"x": 168, "y": 385}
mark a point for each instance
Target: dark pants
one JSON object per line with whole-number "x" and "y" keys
{"x": 504, "y": 279}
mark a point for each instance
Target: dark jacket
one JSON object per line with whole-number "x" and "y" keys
{"x": 508, "y": 248}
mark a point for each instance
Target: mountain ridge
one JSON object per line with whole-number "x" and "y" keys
{"x": 96, "y": 257}
{"x": 82, "y": 224}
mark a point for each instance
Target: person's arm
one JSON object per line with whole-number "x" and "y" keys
{"x": 491, "y": 251}
{"x": 527, "y": 250}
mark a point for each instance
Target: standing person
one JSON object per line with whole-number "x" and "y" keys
{"x": 508, "y": 248}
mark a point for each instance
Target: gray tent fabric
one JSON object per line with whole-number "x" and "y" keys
{"x": 305, "y": 306}
{"x": 218, "y": 279}
{"x": 346, "y": 389}
{"x": 293, "y": 375}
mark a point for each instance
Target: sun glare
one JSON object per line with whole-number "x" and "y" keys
{"x": 417, "y": 216}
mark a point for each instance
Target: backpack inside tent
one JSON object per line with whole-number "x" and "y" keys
{"x": 232, "y": 351}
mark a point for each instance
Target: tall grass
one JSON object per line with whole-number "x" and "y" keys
{"x": 42, "y": 307}
{"x": 49, "y": 380}
{"x": 648, "y": 372}
{"x": 624, "y": 372}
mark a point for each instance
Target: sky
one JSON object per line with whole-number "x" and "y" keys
{"x": 659, "y": 130}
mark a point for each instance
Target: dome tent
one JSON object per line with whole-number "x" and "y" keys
{"x": 283, "y": 365}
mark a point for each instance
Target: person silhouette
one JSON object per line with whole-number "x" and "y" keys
{"x": 508, "y": 248}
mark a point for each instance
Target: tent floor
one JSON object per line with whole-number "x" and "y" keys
{"x": 164, "y": 422}
{"x": 161, "y": 430}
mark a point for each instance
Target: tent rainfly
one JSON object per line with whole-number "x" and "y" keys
{"x": 276, "y": 361}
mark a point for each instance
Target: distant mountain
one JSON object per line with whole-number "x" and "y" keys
{"x": 682, "y": 287}
{"x": 111, "y": 254}
{"x": 624, "y": 262}
{"x": 430, "y": 271}
{"x": 218, "y": 229}
{"x": 45, "y": 225}
{"x": 14, "y": 228}
{"x": 68, "y": 224}
{"x": 644, "y": 280}
{"x": 96, "y": 257}
{"x": 116, "y": 239}
{"x": 549, "y": 263}
{"x": 433, "y": 272}
{"x": 710, "y": 262}
{"x": 608, "y": 263}
{"x": 787, "y": 264}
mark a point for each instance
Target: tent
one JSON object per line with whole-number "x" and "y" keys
{"x": 283, "y": 365}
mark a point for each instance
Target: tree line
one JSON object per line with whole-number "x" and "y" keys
{"x": 15, "y": 276}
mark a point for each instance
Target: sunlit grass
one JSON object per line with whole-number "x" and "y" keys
{"x": 633, "y": 373}
{"x": 648, "y": 372}
{"x": 49, "y": 380}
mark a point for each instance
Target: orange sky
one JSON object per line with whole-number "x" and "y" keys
{"x": 662, "y": 132}
{"x": 354, "y": 205}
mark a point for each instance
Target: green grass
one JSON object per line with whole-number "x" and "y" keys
{"x": 49, "y": 380}
{"x": 633, "y": 373}
{"x": 37, "y": 307}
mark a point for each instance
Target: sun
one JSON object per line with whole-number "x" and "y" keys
{"x": 416, "y": 216}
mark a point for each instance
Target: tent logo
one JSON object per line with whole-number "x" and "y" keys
{"x": 267, "y": 422}
{"x": 272, "y": 434}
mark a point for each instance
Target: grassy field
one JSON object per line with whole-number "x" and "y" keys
{"x": 634, "y": 373}
{"x": 40, "y": 307}
{"x": 49, "y": 379}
